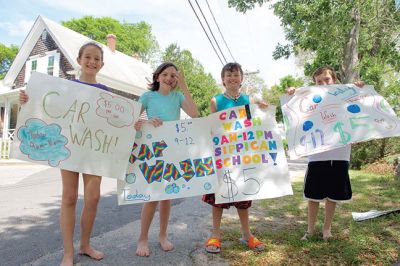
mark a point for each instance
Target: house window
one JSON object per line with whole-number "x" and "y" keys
{"x": 34, "y": 65}
{"x": 50, "y": 65}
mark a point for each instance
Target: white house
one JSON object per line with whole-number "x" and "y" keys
{"x": 51, "y": 48}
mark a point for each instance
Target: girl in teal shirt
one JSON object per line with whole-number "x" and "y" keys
{"x": 162, "y": 103}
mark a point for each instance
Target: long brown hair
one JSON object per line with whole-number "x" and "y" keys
{"x": 155, "y": 86}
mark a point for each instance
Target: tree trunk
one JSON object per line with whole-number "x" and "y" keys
{"x": 350, "y": 72}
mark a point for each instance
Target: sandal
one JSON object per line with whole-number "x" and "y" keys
{"x": 213, "y": 245}
{"x": 253, "y": 243}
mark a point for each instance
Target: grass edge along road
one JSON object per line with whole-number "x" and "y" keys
{"x": 280, "y": 223}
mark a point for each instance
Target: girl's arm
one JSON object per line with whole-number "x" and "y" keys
{"x": 213, "y": 105}
{"x": 188, "y": 104}
{"x": 259, "y": 101}
{"x": 23, "y": 97}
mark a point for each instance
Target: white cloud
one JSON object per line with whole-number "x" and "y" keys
{"x": 19, "y": 29}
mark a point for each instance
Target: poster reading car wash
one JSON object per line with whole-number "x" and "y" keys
{"x": 74, "y": 126}
{"x": 249, "y": 155}
{"x": 322, "y": 118}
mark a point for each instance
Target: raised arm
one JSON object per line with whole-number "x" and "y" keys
{"x": 188, "y": 104}
{"x": 213, "y": 105}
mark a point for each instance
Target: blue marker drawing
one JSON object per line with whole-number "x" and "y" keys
{"x": 354, "y": 108}
{"x": 149, "y": 136}
{"x": 138, "y": 134}
{"x": 130, "y": 178}
{"x": 42, "y": 142}
{"x": 172, "y": 188}
{"x": 307, "y": 125}
{"x": 317, "y": 98}
{"x": 207, "y": 186}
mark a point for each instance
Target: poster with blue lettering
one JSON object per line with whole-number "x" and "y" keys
{"x": 249, "y": 155}
{"x": 172, "y": 161}
{"x": 322, "y": 118}
{"x": 75, "y": 127}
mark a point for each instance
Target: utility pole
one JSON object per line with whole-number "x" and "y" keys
{"x": 248, "y": 83}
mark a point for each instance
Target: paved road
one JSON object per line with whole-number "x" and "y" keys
{"x": 30, "y": 198}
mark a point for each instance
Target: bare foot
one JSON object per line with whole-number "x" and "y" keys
{"x": 142, "y": 249}
{"x": 91, "y": 253}
{"x": 326, "y": 236}
{"x": 165, "y": 244}
{"x": 67, "y": 261}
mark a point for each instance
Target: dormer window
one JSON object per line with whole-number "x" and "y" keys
{"x": 44, "y": 35}
{"x": 50, "y": 65}
{"x": 33, "y": 65}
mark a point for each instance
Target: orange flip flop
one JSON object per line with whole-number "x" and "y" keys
{"x": 253, "y": 243}
{"x": 213, "y": 245}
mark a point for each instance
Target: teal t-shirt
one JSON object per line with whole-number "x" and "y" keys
{"x": 165, "y": 107}
{"x": 225, "y": 103}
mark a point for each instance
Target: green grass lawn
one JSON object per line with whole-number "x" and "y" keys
{"x": 280, "y": 223}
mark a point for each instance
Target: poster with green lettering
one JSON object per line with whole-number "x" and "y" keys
{"x": 75, "y": 126}
{"x": 249, "y": 156}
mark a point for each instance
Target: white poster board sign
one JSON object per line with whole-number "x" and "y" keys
{"x": 75, "y": 127}
{"x": 172, "y": 161}
{"x": 249, "y": 155}
{"x": 323, "y": 118}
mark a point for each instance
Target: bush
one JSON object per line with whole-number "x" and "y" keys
{"x": 381, "y": 167}
{"x": 371, "y": 151}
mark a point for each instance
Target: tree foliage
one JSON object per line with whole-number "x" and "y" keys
{"x": 356, "y": 37}
{"x": 325, "y": 27}
{"x": 202, "y": 86}
{"x": 7, "y": 55}
{"x": 132, "y": 38}
{"x": 272, "y": 95}
{"x": 243, "y": 6}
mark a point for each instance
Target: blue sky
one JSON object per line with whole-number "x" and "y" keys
{"x": 251, "y": 37}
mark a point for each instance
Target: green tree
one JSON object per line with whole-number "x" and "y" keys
{"x": 132, "y": 38}
{"x": 359, "y": 38}
{"x": 272, "y": 95}
{"x": 7, "y": 55}
{"x": 355, "y": 36}
{"x": 253, "y": 84}
{"x": 202, "y": 86}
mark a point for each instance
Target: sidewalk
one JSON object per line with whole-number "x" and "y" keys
{"x": 188, "y": 229}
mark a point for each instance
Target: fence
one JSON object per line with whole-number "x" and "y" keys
{"x": 5, "y": 146}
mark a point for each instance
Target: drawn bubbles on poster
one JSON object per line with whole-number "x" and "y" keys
{"x": 42, "y": 142}
{"x": 149, "y": 136}
{"x": 117, "y": 110}
{"x": 207, "y": 186}
{"x": 172, "y": 188}
{"x": 307, "y": 125}
{"x": 353, "y": 108}
{"x": 130, "y": 178}
{"x": 139, "y": 134}
{"x": 184, "y": 186}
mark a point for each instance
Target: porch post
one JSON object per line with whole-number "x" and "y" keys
{"x": 6, "y": 118}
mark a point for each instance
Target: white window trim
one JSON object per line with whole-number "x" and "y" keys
{"x": 42, "y": 64}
